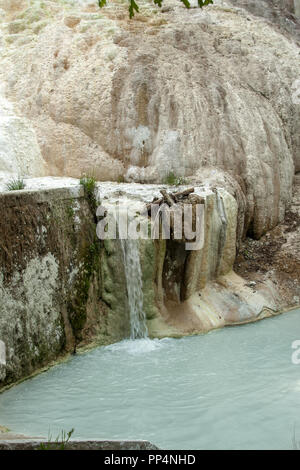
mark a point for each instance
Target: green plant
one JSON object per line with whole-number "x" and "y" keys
{"x": 70, "y": 212}
{"x": 59, "y": 443}
{"x": 76, "y": 305}
{"x": 89, "y": 186}
{"x": 121, "y": 179}
{"x": 15, "y": 184}
{"x": 174, "y": 180}
{"x": 133, "y": 6}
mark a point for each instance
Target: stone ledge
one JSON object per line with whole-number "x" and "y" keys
{"x": 28, "y": 444}
{"x": 24, "y": 197}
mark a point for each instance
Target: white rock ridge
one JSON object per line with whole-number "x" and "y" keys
{"x": 19, "y": 150}
{"x": 187, "y": 91}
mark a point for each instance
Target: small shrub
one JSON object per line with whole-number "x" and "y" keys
{"x": 89, "y": 184}
{"x": 121, "y": 179}
{"x": 174, "y": 180}
{"x": 15, "y": 184}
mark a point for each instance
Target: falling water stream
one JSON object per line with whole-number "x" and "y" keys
{"x": 133, "y": 273}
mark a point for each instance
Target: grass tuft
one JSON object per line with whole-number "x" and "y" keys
{"x": 59, "y": 443}
{"x": 88, "y": 183}
{"x": 15, "y": 184}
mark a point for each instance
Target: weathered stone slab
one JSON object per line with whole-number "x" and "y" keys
{"x": 27, "y": 444}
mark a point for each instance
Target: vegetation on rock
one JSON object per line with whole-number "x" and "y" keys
{"x": 133, "y": 6}
{"x": 174, "y": 180}
{"x": 89, "y": 186}
{"x": 15, "y": 184}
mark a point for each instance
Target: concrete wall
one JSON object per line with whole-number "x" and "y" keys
{"x": 51, "y": 287}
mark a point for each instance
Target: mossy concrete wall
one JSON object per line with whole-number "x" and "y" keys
{"x": 53, "y": 292}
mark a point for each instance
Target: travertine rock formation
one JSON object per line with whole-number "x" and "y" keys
{"x": 186, "y": 292}
{"x": 284, "y": 13}
{"x": 60, "y": 287}
{"x": 19, "y": 149}
{"x": 188, "y": 91}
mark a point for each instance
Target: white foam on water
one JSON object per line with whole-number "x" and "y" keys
{"x": 137, "y": 346}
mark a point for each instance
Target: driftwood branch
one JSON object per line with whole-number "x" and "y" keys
{"x": 184, "y": 193}
{"x": 167, "y": 197}
{"x": 170, "y": 198}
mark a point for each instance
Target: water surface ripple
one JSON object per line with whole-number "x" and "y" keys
{"x": 234, "y": 388}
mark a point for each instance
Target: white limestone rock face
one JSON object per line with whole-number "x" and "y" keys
{"x": 19, "y": 150}
{"x": 182, "y": 91}
{"x": 20, "y": 153}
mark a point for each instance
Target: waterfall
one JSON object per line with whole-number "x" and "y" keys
{"x": 133, "y": 273}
